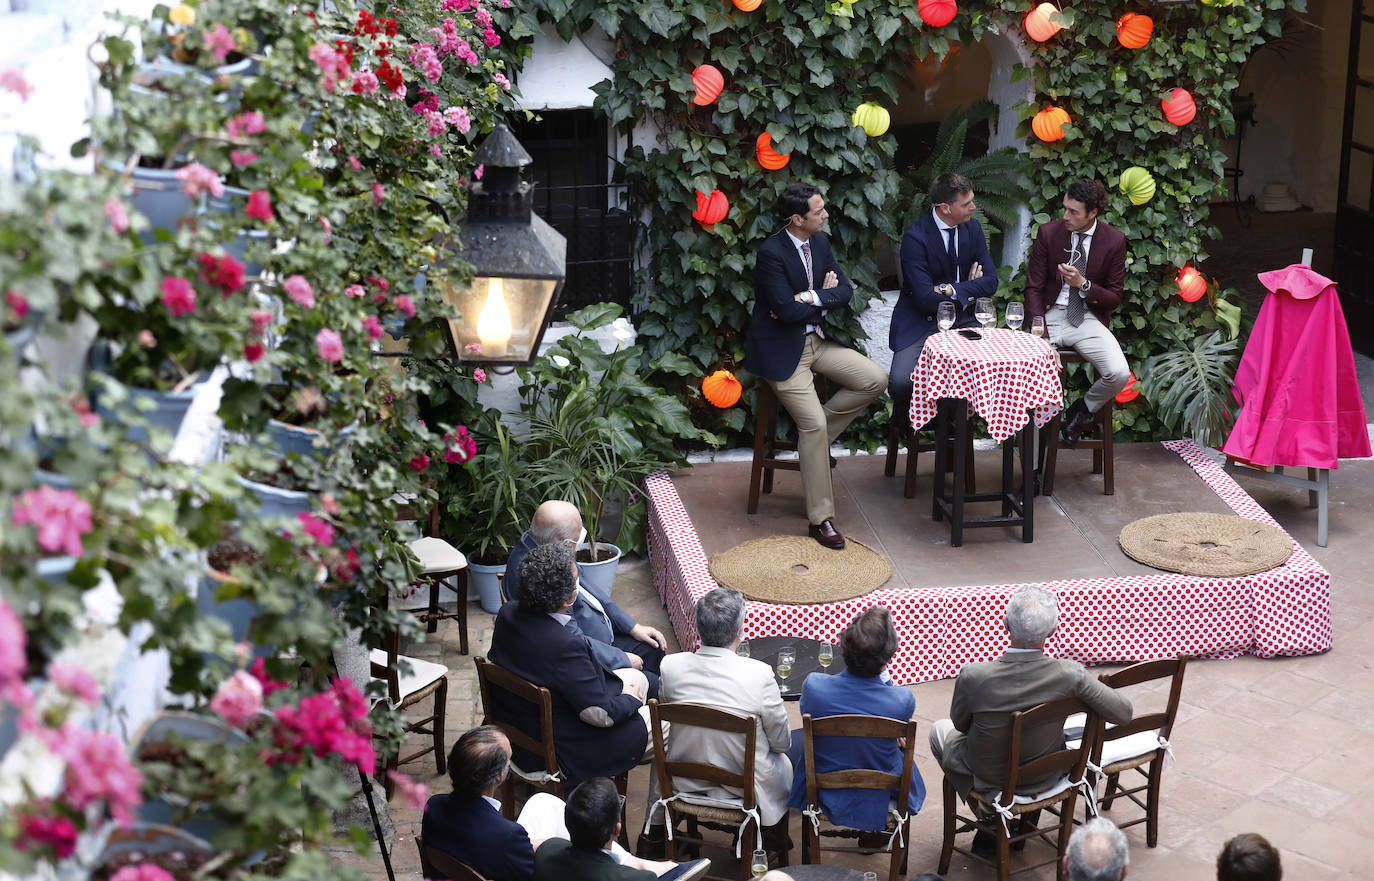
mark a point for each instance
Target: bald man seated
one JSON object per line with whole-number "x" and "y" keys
{"x": 617, "y": 641}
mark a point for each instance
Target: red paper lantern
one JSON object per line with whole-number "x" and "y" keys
{"x": 722, "y": 388}
{"x": 711, "y": 209}
{"x": 937, "y": 13}
{"x": 1038, "y": 25}
{"x": 1134, "y": 30}
{"x": 1130, "y": 392}
{"x": 1048, "y": 124}
{"x": 1191, "y": 284}
{"x": 747, "y": 5}
{"x": 709, "y": 81}
{"x": 768, "y": 157}
{"x": 1179, "y": 107}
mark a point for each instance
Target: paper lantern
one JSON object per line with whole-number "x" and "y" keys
{"x": 1134, "y": 30}
{"x": 721, "y": 388}
{"x": 937, "y": 13}
{"x": 747, "y": 5}
{"x": 711, "y": 209}
{"x": 1138, "y": 184}
{"x": 1048, "y": 124}
{"x": 1038, "y": 25}
{"x": 1191, "y": 284}
{"x": 873, "y": 117}
{"x": 709, "y": 81}
{"x": 1130, "y": 392}
{"x": 768, "y": 157}
{"x": 1179, "y": 107}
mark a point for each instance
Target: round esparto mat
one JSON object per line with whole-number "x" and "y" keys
{"x": 1205, "y": 544}
{"x": 796, "y": 569}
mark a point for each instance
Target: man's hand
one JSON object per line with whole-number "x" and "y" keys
{"x": 645, "y": 633}
{"x": 631, "y": 688}
{"x": 976, "y": 271}
{"x": 1071, "y": 275}
{"x": 635, "y": 660}
{"x": 831, "y": 280}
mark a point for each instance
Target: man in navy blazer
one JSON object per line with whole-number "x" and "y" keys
{"x": 600, "y": 723}
{"x": 797, "y": 283}
{"x": 1075, "y": 279}
{"x": 936, "y": 268}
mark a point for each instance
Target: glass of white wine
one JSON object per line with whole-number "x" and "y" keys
{"x": 983, "y": 311}
{"x": 944, "y": 316}
{"x": 1037, "y": 327}
{"x": 743, "y": 648}
{"x": 786, "y": 656}
{"x": 1016, "y": 314}
{"x": 825, "y": 655}
{"x": 758, "y": 865}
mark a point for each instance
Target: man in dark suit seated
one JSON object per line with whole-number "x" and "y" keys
{"x": 618, "y": 642}
{"x": 600, "y": 723}
{"x": 592, "y": 817}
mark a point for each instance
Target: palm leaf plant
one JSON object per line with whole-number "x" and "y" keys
{"x": 1190, "y": 387}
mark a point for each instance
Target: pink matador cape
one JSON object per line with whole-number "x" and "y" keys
{"x": 1300, "y": 402}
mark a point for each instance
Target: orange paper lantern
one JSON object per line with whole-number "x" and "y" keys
{"x": 1038, "y": 25}
{"x": 1191, "y": 284}
{"x": 709, "y": 81}
{"x": 1048, "y": 124}
{"x": 1130, "y": 392}
{"x": 1179, "y": 107}
{"x": 721, "y": 388}
{"x": 768, "y": 157}
{"x": 711, "y": 209}
{"x": 1134, "y": 30}
{"x": 937, "y": 13}
{"x": 747, "y": 5}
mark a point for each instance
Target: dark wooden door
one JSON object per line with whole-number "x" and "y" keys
{"x": 1354, "y": 242}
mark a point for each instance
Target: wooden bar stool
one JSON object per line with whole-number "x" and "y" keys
{"x": 767, "y": 444}
{"x": 1102, "y": 447}
{"x": 913, "y": 450}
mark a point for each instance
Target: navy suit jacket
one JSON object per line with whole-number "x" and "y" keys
{"x": 773, "y": 346}
{"x": 586, "y": 621}
{"x": 1106, "y": 269}
{"x": 925, "y": 264}
{"x": 470, "y": 829}
{"x": 597, "y": 730}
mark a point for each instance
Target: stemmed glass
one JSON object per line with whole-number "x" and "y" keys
{"x": 758, "y": 866}
{"x": 786, "y": 655}
{"x": 944, "y": 316}
{"x": 1037, "y": 327}
{"x": 1016, "y": 313}
{"x": 825, "y": 655}
{"x": 983, "y": 311}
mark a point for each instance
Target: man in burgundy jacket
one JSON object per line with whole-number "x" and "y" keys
{"x": 1077, "y": 270}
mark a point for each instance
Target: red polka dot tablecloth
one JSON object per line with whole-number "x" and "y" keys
{"x": 1285, "y": 611}
{"x": 1002, "y": 375}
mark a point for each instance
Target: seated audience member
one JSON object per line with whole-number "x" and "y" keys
{"x": 600, "y": 723}
{"x": 868, "y": 644}
{"x": 590, "y": 853}
{"x": 1249, "y": 857}
{"x": 717, "y": 677}
{"x": 1097, "y": 852}
{"x": 618, "y": 642}
{"x": 467, "y": 823}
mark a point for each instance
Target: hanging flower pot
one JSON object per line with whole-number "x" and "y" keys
{"x": 1134, "y": 30}
{"x": 711, "y": 209}
{"x": 874, "y": 118}
{"x": 1138, "y": 184}
{"x": 234, "y": 202}
{"x": 1179, "y": 107}
{"x": 937, "y": 13}
{"x": 721, "y": 388}
{"x": 708, "y": 81}
{"x": 1191, "y": 284}
{"x": 144, "y": 408}
{"x": 1038, "y": 24}
{"x": 768, "y": 157}
{"x": 1048, "y": 124}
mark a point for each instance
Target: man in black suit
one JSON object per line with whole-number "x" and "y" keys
{"x": 944, "y": 257}
{"x": 796, "y": 284}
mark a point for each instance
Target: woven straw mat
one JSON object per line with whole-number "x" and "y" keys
{"x": 1205, "y": 544}
{"x": 796, "y": 569}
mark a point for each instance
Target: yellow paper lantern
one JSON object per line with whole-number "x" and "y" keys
{"x": 874, "y": 118}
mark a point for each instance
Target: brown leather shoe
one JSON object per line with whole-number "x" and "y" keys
{"x": 827, "y": 534}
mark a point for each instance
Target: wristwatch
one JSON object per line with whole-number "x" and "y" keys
{"x": 1087, "y": 286}
{"x": 815, "y": 300}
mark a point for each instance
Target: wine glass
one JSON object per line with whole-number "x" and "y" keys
{"x": 1037, "y": 327}
{"x": 786, "y": 655}
{"x": 944, "y": 317}
{"x": 825, "y": 655}
{"x": 1016, "y": 313}
{"x": 758, "y": 865}
{"x": 743, "y": 648}
{"x": 983, "y": 311}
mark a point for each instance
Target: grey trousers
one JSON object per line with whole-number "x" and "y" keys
{"x": 1096, "y": 343}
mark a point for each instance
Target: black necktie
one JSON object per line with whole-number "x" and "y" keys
{"x": 952, "y": 250}
{"x": 1079, "y": 259}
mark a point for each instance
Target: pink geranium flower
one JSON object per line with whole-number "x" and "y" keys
{"x": 242, "y": 158}
{"x": 118, "y": 214}
{"x": 459, "y": 446}
{"x": 56, "y": 832}
{"x": 219, "y": 41}
{"x": 238, "y": 699}
{"x": 249, "y": 123}
{"x": 61, "y": 516}
{"x": 419, "y": 462}
{"x": 142, "y": 872}
{"x": 98, "y": 769}
{"x": 404, "y": 305}
{"x": 253, "y": 352}
{"x": 17, "y": 304}
{"x": 259, "y": 671}
{"x": 365, "y": 82}
{"x": 373, "y": 327}
{"x": 74, "y": 681}
{"x": 224, "y": 273}
{"x": 300, "y": 291}
{"x": 178, "y": 296}
{"x": 13, "y": 660}
{"x": 328, "y": 229}
{"x": 329, "y": 344}
{"x": 413, "y": 792}
{"x": 354, "y": 291}
{"x": 479, "y": 374}
{"x": 12, "y": 80}
{"x": 320, "y": 530}
{"x": 378, "y": 194}
{"x": 260, "y": 206}
{"x": 328, "y": 724}
{"x": 200, "y": 180}
{"x": 458, "y": 118}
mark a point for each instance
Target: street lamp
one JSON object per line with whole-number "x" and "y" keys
{"x": 518, "y": 262}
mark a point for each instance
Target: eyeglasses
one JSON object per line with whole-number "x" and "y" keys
{"x": 621, "y": 800}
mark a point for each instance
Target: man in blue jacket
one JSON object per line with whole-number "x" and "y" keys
{"x": 944, "y": 257}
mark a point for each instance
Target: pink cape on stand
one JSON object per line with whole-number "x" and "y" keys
{"x": 1300, "y": 401}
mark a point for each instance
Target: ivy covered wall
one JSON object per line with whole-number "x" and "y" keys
{"x": 799, "y": 70}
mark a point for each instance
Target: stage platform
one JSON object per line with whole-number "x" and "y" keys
{"x": 947, "y": 602}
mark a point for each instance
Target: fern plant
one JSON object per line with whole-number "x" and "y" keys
{"x": 1191, "y": 387}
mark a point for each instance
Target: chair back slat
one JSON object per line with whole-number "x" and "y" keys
{"x": 690, "y": 715}
{"x": 859, "y": 778}
{"x": 1138, "y": 674}
{"x": 1063, "y": 762}
{"x": 434, "y": 863}
{"x": 492, "y": 679}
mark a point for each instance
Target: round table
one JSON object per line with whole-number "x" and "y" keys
{"x": 765, "y": 648}
{"x": 825, "y": 873}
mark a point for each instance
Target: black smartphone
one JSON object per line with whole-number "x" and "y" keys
{"x": 969, "y": 333}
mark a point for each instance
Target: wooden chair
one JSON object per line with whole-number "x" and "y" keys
{"x": 1140, "y": 745}
{"x": 995, "y": 814}
{"x": 436, "y": 864}
{"x": 897, "y": 785}
{"x": 767, "y": 444}
{"x": 1104, "y": 456}
{"x": 439, "y": 562}
{"x": 409, "y": 681}
{"x": 913, "y": 451}
{"x": 696, "y": 811}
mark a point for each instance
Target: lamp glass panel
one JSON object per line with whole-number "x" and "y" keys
{"x": 499, "y": 319}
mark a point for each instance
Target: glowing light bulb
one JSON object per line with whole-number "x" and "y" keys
{"x": 493, "y": 324}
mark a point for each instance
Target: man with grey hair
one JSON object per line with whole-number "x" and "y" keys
{"x": 618, "y": 642}
{"x": 971, "y": 746}
{"x": 714, "y": 675}
{"x": 1097, "y": 852}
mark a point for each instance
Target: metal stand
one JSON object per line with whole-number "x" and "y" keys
{"x": 1317, "y": 485}
{"x": 376, "y": 823}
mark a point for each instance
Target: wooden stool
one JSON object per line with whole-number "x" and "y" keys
{"x": 1103, "y": 454}
{"x": 767, "y": 445}
{"x": 913, "y": 450}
